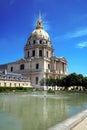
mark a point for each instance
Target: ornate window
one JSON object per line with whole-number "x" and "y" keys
{"x": 40, "y": 52}
{"x": 22, "y": 67}
{"x": 37, "y": 79}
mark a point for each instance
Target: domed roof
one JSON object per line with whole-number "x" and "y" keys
{"x": 39, "y": 34}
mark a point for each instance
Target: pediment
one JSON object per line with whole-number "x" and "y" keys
{"x": 20, "y": 61}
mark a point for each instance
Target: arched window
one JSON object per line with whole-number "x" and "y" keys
{"x": 22, "y": 67}
{"x": 40, "y": 41}
{"x": 40, "y": 52}
{"x": 11, "y": 69}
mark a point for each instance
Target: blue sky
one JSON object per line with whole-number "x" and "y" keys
{"x": 64, "y": 20}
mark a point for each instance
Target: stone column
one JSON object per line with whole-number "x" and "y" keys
{"x": 66, "y": 69}
{"x": 36, "y": 52}
{"x": 54, "y": 65}
{"x": 44, "y": 52}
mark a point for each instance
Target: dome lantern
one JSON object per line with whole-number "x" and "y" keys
{"x": 39, "y": 23}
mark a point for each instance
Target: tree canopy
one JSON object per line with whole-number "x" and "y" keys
{"x": 72, "y": 79}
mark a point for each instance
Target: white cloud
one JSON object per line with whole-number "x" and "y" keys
{"x": 82, "y": 44}
{"x": 77, "y": 33}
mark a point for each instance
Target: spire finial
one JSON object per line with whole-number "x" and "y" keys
{"x": 39, "y": 15}
{"x": 39, "y": 22}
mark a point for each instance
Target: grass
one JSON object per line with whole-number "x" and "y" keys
{"x": 15, "y": 89}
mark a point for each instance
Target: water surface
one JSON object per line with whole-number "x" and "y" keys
{"x": 36, "y": 112}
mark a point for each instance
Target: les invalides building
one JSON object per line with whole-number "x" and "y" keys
{"x": 39, "y": 61}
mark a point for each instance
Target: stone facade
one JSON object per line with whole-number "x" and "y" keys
{"x": 13, "y": 80}
{"x": 39, "y": 60}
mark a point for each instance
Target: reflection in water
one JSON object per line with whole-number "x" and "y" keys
{"x": 28, "y": 112}
{"x": 8, "y": 122}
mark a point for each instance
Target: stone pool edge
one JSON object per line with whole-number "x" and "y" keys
{"x": 70, "y": 123}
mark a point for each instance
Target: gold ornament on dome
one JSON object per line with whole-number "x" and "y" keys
{"x": 39, "y": 23}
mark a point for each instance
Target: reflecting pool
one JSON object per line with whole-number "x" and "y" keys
{"x": 36, "y": 112}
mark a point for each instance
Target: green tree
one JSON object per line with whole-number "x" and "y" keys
{"x": 84, "y": 82}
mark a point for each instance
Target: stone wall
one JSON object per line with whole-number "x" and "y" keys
{"x": 8, "y": 83}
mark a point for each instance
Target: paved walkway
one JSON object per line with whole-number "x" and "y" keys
{"x": 77, "y": 122}
{"x": 81, "y": 126}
